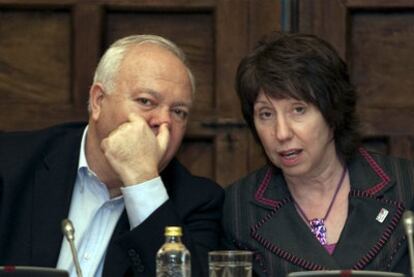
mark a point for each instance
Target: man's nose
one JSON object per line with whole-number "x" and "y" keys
{"x": 159, "y": 117}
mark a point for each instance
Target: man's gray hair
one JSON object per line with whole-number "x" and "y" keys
{"x": 109, "y": 64}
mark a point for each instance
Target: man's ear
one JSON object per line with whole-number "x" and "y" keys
{"x": 96, "y": 96}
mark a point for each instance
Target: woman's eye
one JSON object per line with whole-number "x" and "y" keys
{"x": 265, "y": 114}
{"x": 299, "y": 110}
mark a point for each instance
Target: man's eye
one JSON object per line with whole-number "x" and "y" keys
{"x": 180, "y": 113}
{"x": 144, "y": 101}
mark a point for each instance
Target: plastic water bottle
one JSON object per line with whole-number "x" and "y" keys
{"x": 173, "y": 258}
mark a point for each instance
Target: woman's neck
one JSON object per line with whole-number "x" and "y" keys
{"x": 316, "y": 185}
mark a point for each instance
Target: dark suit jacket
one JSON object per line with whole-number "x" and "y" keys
{"x": 37, "y": 175}
{"x": 259, "y": 215}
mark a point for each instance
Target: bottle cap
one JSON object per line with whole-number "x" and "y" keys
{"x": 173, "y": 231}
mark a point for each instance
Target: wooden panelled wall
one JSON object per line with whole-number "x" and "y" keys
{"x": 376, "y": 38}
{"x": 49, "y": 50}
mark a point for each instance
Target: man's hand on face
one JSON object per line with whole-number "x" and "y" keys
{"x": 134, "y": 151}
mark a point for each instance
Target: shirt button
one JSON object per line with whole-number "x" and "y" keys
{"x": 132, "y": 252}
{"x": 86, "y": 256}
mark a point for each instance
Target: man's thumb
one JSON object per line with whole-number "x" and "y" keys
{"x": 163, "y": 138}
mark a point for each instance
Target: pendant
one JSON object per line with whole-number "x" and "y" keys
{"x": 318, "y": 228}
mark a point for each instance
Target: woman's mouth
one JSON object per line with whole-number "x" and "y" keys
{"x": 290, "y": 157}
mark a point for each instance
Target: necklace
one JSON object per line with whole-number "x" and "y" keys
{"x": 317, "y": 225}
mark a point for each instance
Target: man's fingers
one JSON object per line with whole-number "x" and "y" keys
{"x": 162, "y": 134}
{"x": 163, "y": 137}
{"x": 135, "y": 117}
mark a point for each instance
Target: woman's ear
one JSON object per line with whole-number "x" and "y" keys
{"x": 96, "y": 95}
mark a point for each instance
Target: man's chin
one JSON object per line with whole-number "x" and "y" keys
{"x": 167, "y": 158}
{"x": 163, "y": 164}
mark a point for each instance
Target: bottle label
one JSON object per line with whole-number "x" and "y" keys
{"x": 171, "y": 270}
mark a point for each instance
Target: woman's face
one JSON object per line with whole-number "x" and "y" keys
{"x": 294, "y": 135}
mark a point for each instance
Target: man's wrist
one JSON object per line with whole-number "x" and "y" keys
{"x": 136, "y": 177}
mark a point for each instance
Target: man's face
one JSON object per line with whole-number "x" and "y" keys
{"x": 154, "y": 84}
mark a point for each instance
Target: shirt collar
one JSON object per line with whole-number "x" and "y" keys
{"x": 83, "y": 163}
{"x": 84, "y": 170}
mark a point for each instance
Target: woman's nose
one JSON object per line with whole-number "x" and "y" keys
{"x": 283, "y": 130}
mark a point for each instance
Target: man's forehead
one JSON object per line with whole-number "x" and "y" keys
{"x": 152, "y": 58}
{"x": 147, "y": 50}
{"x": 179, "y": 100}
{"x": 151, "y": 68}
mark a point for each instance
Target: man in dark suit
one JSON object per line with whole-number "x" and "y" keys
{"x": 115, "y": 178}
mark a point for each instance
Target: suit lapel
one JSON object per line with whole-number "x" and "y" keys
{"x": 282, "y": 228}
{"x": 371, "y": 218}
{"x": 363, "y": 236}
{"x": 52, "y": 191}
{"x": 116, "y": 260}
{"x": 366, "y": 231}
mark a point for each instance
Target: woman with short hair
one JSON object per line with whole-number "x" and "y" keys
{"x": 322, "y": 201}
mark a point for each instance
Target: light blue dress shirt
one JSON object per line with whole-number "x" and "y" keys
{"x": 95, "y": 214}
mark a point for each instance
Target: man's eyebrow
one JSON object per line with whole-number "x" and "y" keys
{"x": 183, "y": 104}
{"x": 158, "y": 95}
{"x": 152, "y": 92}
